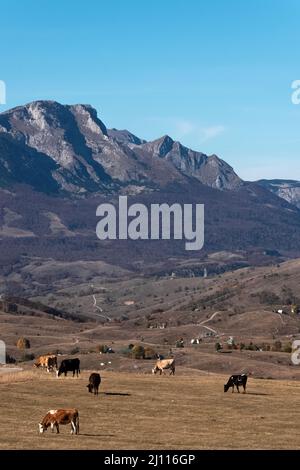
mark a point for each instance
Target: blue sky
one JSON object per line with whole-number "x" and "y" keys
{"x": 214, "y": 74}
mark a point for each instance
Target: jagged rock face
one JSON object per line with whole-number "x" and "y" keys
{"x": 68, "y": 148}
{"x": 286, "y": 189}
{"x": 210, "y": 170}
{"x": 125, "y": 137}
{"x": 55, "y": 132}
{"x": 19, "y": 164}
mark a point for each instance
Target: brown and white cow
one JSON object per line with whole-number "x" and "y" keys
{"x": 63, "y": 416}
{"x": 164, "y": 364}
{"x": 49, "y": 361}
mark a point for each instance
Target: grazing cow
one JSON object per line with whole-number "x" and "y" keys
{"x": 42, "y": 361}
{"x": 52, "y": 363}
{"x": 236, "y": 380}
{"x": 56, "y": 417}
{"x": 164, "y": 364}
{"x": 69, "y": 365}
{"x": 48, "y": 361}
{"x": 94, "y": 382}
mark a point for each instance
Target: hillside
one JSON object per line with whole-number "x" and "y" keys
{"x": 46, "y": 242}
{"x": 157, "y": 312}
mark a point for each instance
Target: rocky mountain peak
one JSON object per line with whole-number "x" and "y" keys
{"x": 286, "y": 189}
{"x": 86, "y": 117}
{"x": 125, "y": 137}
{"x": 73, "y": 147}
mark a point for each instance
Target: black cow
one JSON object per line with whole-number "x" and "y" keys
{"x": 94, "y": 382}
{"x": 69, "y": 365}
{"x": 236, "y": 380}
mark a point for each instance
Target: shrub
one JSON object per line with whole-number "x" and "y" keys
{"x": 242, "y": 346}
{"x": 102, "y": 348}
{"x": 294, "y": 309}
{"x": 287, "y": 348}
{"x": 23, "y": 343}
{"x": 138, "y": 352}
{"x": 288, "y": 296}
{"x": 150, "y": 353}
{"x": 277, "y": 346}
{"x": 265, "y": 347}
{"x": 75, "y": 350}
{"x": 218, "y": 346}
{"x": 268, "y": 297}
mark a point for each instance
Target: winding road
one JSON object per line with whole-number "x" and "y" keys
{"x": 207, "y": 320}
{"x": 100, "y": 309}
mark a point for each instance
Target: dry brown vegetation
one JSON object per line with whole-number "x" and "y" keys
{"x": 139, "y": 411}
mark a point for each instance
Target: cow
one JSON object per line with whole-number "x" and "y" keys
{"x": 63, "y": 416}
{"x": 164, "y": 364}
{"x": 236, "y": 380}
{"x": 69, "y": 365}
{"x": 42, "y": 361}
{"x": 48, "y": 361}
{"x": 52, "y": 363}
{"x": 94, "y": 382}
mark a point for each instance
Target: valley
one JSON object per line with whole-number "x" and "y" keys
{"x": 239, "y": 307}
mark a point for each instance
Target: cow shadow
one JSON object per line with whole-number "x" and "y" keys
{"x": 96, "y": 435}
{"x": 118, "y": 394}
{"x": 258, "y": 394}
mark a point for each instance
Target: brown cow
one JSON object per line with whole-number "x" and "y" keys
{"x": 94, "y": 382}
{"x": 49, "y": 361}
{"x": 164, "y": 364}
{"x": 56, "y": 417}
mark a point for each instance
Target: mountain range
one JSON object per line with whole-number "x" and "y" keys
{"x": 68, "y": 150}
{"x": 287, "y": 189}
{"x": 58, "y": 162}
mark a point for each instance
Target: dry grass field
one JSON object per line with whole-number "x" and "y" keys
{"x": 141, "y": 411}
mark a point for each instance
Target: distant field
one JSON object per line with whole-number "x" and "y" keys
{"x": 139, "y": 411}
